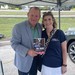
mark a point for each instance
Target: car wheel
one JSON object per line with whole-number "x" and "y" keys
{"x": 71, "y": 51}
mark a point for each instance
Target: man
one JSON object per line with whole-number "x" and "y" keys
{"x": 22, "y": 43}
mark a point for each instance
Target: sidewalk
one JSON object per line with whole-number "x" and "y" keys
{"x": 7, "y": 57}
{"x": 4, "y": 43}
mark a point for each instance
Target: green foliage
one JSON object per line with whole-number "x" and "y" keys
{"x": 73, "y": 9}
{"x": 17, "y": 9}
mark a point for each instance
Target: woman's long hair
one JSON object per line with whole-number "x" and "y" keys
{"x": 49, "y": 14}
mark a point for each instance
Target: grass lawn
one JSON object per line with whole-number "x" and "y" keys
{"x": 6, "y": 24}
{"x": 67, "y": 23}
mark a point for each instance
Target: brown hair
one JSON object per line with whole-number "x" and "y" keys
{"x": 50, "y": 14}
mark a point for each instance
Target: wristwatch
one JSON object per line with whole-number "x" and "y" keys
{"x": 64, "y": 65}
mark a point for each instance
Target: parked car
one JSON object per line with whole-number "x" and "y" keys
{"x": 70, "y": 34}
{"x": 1, "y": 36}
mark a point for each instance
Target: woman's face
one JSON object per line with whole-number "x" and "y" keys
{"x": 48, "y": 22}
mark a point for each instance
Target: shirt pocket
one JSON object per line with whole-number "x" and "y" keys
{"x": 55, "y": 42}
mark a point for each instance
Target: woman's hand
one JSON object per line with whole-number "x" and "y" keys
{"x": 41, "y": 52}
{"x": 64, "y": 69}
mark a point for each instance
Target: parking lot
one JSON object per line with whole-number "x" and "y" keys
{"x": 7, "y": 57}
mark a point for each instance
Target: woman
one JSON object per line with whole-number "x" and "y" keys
{"x": 55, "y": 57}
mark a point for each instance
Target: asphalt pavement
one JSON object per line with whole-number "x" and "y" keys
{"x": 7, "y": 57}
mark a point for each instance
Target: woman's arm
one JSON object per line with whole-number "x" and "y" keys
{"x": 64, "y": 56}
{"x": 64, "y": 52}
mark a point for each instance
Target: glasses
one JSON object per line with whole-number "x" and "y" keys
{"x": 47, "y": 12}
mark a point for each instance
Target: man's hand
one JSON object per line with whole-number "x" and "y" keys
{"x": 32, "y": 53}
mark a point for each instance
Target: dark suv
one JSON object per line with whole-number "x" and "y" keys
{"x": 70, "y": 34}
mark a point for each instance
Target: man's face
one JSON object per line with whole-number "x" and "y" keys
{"x": 33, "y": 16}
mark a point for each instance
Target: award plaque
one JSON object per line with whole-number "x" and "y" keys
{"x": 39, "y": 44}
